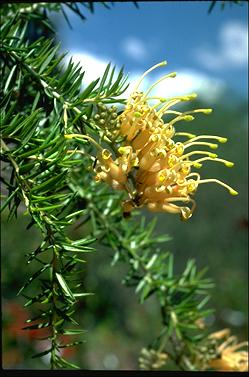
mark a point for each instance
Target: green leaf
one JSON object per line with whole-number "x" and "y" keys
{"x": 37, "y": 326}
{"x": 211, "y": 6}
{"x": 49, "y": 57}
{"x": 170, "y": 265}
{"x": 145, "y": 293}
{"x": 78, "y": 249}
{"x": 34, "y": 276}
{"x": 47, "y": 208}
{"x": 65, "y": 363}
{"x": 74, "y": 331}
{"x": 88, "y": 90}
{"x": 39, "y": 316}
{"x": 203, "y": 302}
{"x": 178, "y": 333}
{"x": 49, "y": 184}
{"x": 82, "y": 294}
{"x": 45, "y": 145}
{"x": 37, "y": 97}
{"x": 9, "y": 78}
{"x": 8, "y": 200}
{"x": 151, "y": 261}
{"x": 43, "y": 353}
{"x": 64, "y": 286}
{"x": 79, "y": 260}
{"x": 84, "y": 241}
{"x": 72, "y": 344}
{"x": 13, "y": 128}
{"x": 59, "y": 322}
{"x": 116, "y": 83}
{"x": 74, "y": 7}
{"x": 110, "y": 79}
{"x": 103, "y": 80}
{"x": 140, "y": 285}
{"x": 66, "y": 17}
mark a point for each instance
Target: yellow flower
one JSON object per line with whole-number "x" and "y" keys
{"x": 155, "y": 170}
{"x": 229, "y": 358}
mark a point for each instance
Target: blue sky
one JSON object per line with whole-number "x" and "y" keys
{"x": 208, "y": 51}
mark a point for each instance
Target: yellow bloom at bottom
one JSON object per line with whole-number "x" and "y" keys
{"x": 230, "y": 356}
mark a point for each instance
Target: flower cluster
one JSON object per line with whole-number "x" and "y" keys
{"x": 228, "y": 357}
{"x": 149, "y": 165}
{"x": 152, "y": 359}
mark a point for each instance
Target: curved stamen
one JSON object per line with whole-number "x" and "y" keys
{"x": 187, "y": 118}
{"x": 75, "y": 151}
{"x": 228, "y": 164}
{"x": 211, "y": 155}
{"x": 190, "y": 144}
{"x": 169, "y": 75}
{"x": 197, "y": 162}
{"x": 232, "y": 339}
{"x": 230, "y": 189}
{"x": 239, "y": 345}
{"x": 177, "y": 199}
{"x": 204, "y": 111}
{"x": 167, "y": 106}
{"x": 219, "y": 138}
{"x": 174, "y": 101}
{"x": 194, "y": 174}
{"x": 182, "y": 199}
{"x": 187, "y": 134}
{"x": 79, "y": 136}
{"x": 174, "y": 112}
{"x": 163, "y": 63}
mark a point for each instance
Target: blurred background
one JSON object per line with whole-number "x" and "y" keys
{"x": 209, "y": 52}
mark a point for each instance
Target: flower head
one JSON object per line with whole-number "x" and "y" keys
{"x": 229, "y": 356}
{"x": 154, "y": 169}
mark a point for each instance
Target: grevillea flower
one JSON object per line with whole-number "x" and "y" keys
{"x": 229, "y": 357}
{"x": 154, "y": 169}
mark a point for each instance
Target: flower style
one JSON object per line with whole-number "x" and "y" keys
{"x": 228, "y": 357}
{"x": 155, "y": 170}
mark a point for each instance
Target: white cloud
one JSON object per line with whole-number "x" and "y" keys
{"x": 134, "y": 48}
{"x": 232, "y": 51}
{"x": 186, "y": 82}
{"x": 235, "y": 40}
